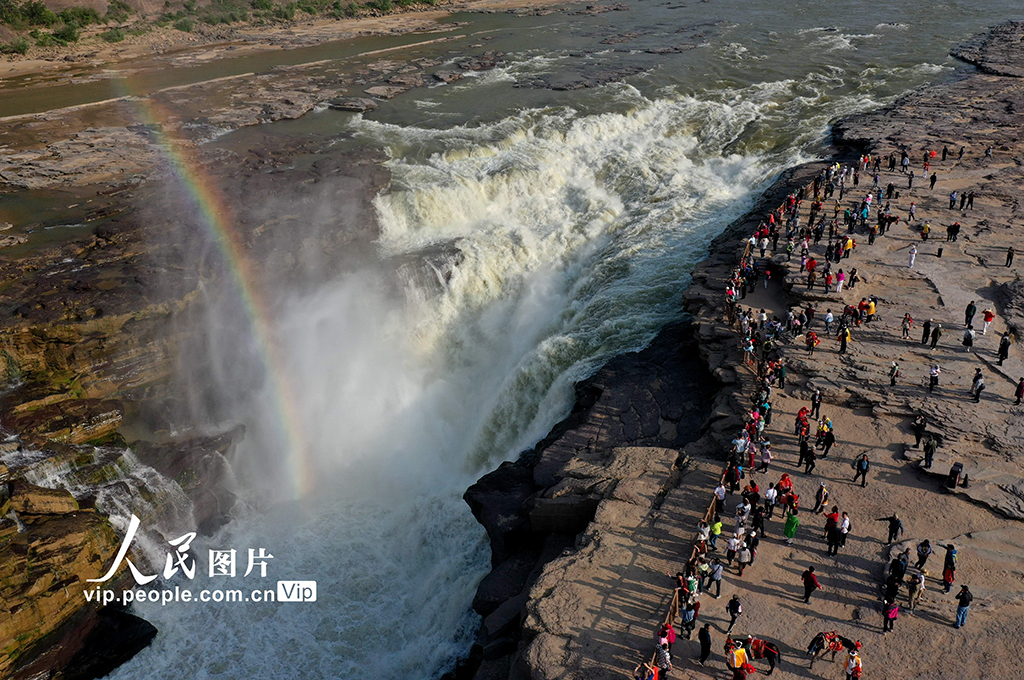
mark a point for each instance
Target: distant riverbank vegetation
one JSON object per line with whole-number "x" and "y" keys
{"x": 32, "y": 24}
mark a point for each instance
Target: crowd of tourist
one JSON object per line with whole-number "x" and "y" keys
{"x": 742, "y": 511}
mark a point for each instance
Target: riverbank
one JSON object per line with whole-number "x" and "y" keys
{"x": 593, "y": 611}
{"x": 202, "y": 44}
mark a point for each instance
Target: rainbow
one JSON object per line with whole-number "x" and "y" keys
{"x": 216, "y": 217}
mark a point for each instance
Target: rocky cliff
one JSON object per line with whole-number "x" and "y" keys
{"x": 92, "y": 333}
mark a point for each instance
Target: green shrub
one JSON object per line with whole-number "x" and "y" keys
{"x": 80, "y": 16}
{"x": 118, "y": 11}
{"x": 263, "y": 5}
{"x": 17, "y": 46}
{"x": 381, "y": 5}
{"x": 190, "y": 6}
{"x": 185, "y": 25}
{"x": 67, "y": 33}
{"x": 340, "y": 11}
{"x": 36, "y": 14}
{"x": 47, "y": 40}
{"x": 113, "y": 35}
{"x": 287, "y": 12}
{"x": 223, "y": 12}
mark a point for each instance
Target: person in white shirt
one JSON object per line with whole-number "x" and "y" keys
{"x": 731, "y": 546}
{"x": 770, "y": 496}
{"x": 720, "y": 498}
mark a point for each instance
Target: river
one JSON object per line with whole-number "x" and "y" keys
{"x": 578, "y": 214}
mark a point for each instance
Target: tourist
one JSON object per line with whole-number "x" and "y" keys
{"x": 1009, "y": 256}
{"x": 704, "y": 637}
{"x": 844, "y": 339}
{"x": 720, "y": 492}
{"x": 890, "y": 612}
{"x": 770, "y": 498}
{"x": 820, "y": 498}
{"x": 963, "y": 601}
{"x": 816, "y": 404}
{"x": 743, "y": 557}
{"x": 924, "y": 550}
{"x": 715, "y": 576}
{"x": 736, "y": 659}
{"x": 930, "y": 445}
{"x": 716, "y": 530}
{"x": 644, "y": 671}
{"x": 969, "y": 313}
{"x": 1004, "y": 348}
{"x": 810, "y": 583}
{"x": 987, "y": 316}
{"x": 933, "y": 374}
{"x": 936, "y": 334}
{"x": 844, "y": 530}
{"x": 664, "y": 659}
{"x": 899, "y": 564}
{"x": 931, "y": 182}
{"x": 905, "y": 325}
{"x": 731, "y": 547}
{"x": 688, "y": 616}
{"x": 792, "y": 524}
{"x": 913, "y": 255}
{"x": 810, "y": 457}
{"x": 926, "y": 331}
{"x": 895, "y": 526}
{"x": 667, "y": 634}
{"x": 735, "y": 609}
{"x": 853, "y": 666}
{"x": 919, "y": 426}
{"x": 703, "y": 531}
{"x": 949, "y": 568}
{"x": 828, "y": 441}
{"x": 894, "y": 372}
{"x": 860, "y": 467}
{"x": 915, "y": 586}
{"x": 1019, "y": 392}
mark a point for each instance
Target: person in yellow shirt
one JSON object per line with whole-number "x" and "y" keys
{"x": 844, "y": 338}
{"x": 853, "y": 666}
{"x": 736, "y": 659}
{"x": 871, "y": 310}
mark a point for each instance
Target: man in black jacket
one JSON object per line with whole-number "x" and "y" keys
{"x": 963, "y": 602}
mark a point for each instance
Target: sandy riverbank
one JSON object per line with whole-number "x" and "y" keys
{"x": 592, "y": 612}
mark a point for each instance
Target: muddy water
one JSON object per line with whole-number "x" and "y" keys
{"x": 579, "y": 181}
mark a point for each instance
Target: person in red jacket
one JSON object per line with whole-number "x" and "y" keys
{"x": 810, "y": 583}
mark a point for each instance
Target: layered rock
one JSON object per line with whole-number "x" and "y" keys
{"x": 49, "y": 547}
